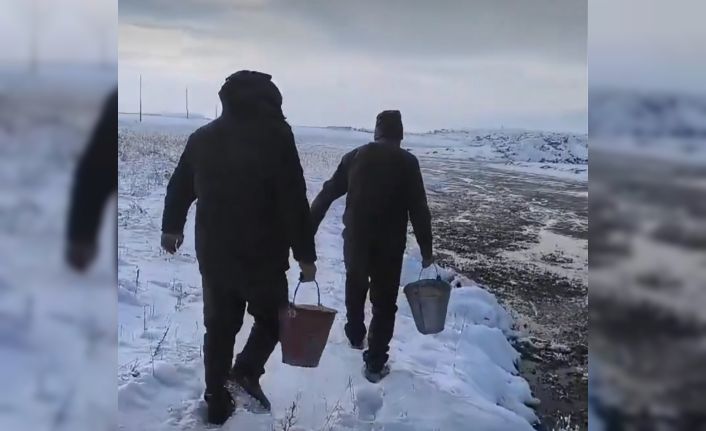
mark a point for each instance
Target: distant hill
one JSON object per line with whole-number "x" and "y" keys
{"x": 349, "y": 128}
{"x": 646, "y": 114}
{"x": 518, "y": 145}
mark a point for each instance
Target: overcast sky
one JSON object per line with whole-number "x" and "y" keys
{"x": 453, "y": 64}
{"x": 64, "y": 31}
{"x": 471, "y": 63}
{"x": 648, "y": 44}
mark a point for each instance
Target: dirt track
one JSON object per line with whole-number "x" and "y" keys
{"x": 524, "y": 237}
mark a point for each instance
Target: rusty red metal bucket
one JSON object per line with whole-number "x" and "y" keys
{"x": 304, "y": 331}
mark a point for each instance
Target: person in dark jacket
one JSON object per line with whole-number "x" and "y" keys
{"x": 95, "y": 180}
{"x": 244, "y": 170}
{"x": 384, "y": 190}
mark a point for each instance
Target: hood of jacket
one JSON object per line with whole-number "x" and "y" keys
{"x": 251, "y": 94}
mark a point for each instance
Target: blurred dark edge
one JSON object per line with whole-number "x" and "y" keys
{"x": 647, "y": 244}
{"x": 57, "y": 325}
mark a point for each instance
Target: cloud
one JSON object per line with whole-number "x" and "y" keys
{"x": 444, "y": 64}
{"x": 660, "y": 49}
{"x": 58, "y": 31}
{"x": 549, "y": 28}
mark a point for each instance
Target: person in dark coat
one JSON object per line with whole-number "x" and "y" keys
{"x": 244, "y": 171}
{"x": 95, "y": 180}
{"x": 384, "y": 190}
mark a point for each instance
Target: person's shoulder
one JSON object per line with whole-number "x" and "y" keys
{"x": 205, "y": 133}
{"x": 370, "y": 146}
{"x": 282, "y": 129}
{"x": 408, "y": 156}
{"x": 349, "y": 156}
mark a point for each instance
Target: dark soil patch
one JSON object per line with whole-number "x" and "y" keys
{"x": 479, "y": 213}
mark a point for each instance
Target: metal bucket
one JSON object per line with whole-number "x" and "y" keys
{"x": 304, "y": 331}
{"x": 429, "y": 300}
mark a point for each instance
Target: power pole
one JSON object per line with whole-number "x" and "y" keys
{"x": 34, "y": 36}
{"x": 187, "y": 102}
{"x": 140, "y": 98}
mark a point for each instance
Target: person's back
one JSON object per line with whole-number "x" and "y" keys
{"x": 236, "y": 167}
{"x": 243, "y": 169}
{"x": 377, "y": 202}
{"x": 385, "y": 189}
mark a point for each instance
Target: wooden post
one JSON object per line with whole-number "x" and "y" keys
{"x": 34, "y": 36}
{"x": 140, "y": 98}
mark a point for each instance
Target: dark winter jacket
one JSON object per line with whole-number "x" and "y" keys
{"x": 384, "y": 189}
{"x": 244, "y": 170}
{"x": 96, "y": 177}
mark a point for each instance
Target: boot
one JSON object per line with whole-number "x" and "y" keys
{"x": 356, "y": 337}
{"x": 251, "y": 386}
{"x": 220, "y": 406}
{"x": 357, "y": 345}
{"x": 372, "y": 370}
{"x": 375, "y": 375}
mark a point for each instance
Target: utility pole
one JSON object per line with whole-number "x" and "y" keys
{"x": 187, "y": 102}
{"x": 34, "y": 36}
{"x": 140, "y": 98}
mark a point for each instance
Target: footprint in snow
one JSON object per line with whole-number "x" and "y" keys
{"x": 368, "y": 400}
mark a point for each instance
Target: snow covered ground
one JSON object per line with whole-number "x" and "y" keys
{"x": 648, "y": 272}
{"x": 508, "y": 145}
{"x": 647, "y": 113}
{"x": 465, "y": 375}
{"x": 57, "y": 337}
{"x": 648, "y": 124}
{"x": 542, "y": 153}
{"x": 647, "y": 290}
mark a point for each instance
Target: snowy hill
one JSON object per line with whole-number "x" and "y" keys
{"x": 517, "y": 145}
{"x": 647, "y": 115}
{"x": 354, "y": 129}
{"x": 511, "y": 145}
{"x": 545, "y": 153}
{"x": 660, "y": 125}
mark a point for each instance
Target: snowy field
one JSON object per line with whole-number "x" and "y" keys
{"x": 541, "y": 153}
{"x": 465, "y": 375}
{"x": 648, "y": 271}
{"x": 57, "y": 336}
{"x": 647, "y": 290}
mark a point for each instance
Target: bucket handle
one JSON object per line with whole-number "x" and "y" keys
{"x": 318, "y": 292}
{"x": 438, "y": 277}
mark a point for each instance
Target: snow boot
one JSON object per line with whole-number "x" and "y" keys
{"x": 251, "y": 386}
{"x": 357, "y": 345}
{"x": 374, "y": 376}
{"x": 220, "y": 406}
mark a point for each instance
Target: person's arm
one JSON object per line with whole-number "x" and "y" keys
{"x": 95, "y": 180}
{"x": 96, "y": 177}
{"x": 180, "y": 193}
{"x": 419, "y": 211}
{"x": 291, "y": 193}
{"x": 333, "y": 189}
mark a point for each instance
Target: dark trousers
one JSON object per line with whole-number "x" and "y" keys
{"x": 225, "y": 299}
{"x": 374, "y": 268}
